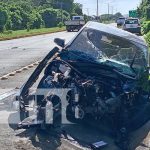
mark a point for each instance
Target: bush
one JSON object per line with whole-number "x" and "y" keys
{"x": 145, "y": 27}
{"x": 8, "y": 32}
{"x": 49, "y": 17}
{"x": 147, "y": 37}
{"x": 35, "y": 22}
{"x": 60, "y": 24}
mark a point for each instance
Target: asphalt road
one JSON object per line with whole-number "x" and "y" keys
{"x": 18, "y": 53}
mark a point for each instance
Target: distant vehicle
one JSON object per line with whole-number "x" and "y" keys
{"x": 120, "y": 21}
{"x": 76, "y": 23}
{"x": 132, "y": 25}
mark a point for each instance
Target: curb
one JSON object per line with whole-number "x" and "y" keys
{"x": 4, "y": 78}
{"x": 13, "y": 73}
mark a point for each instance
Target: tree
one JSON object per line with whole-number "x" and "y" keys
{"x": 19, "y": 14}
{"x": 16, "y": 21}
{"x": 18, "y": 17}
{"x": 106, "y": 17}
{"x": 117, "y": 15}
{"x": 62, "y": 15}
{"x": 66, "y": 5}
{"x": 35, "y": 21}
{"x": 49, "y": 17}
{"x": 77, "y": 8}
{"x": 144, "y": 9}
{"x": 3, "y": 19}
{"x": 147, "y": 12}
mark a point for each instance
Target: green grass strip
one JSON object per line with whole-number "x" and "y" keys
{"x": 8, "y": 35}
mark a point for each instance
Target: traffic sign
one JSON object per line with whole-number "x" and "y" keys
{"x": 133, "y": 13}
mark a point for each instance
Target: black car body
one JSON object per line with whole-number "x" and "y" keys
{"x": 105, "y": 70}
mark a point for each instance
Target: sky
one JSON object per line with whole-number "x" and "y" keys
{"x": 123, "y": 6}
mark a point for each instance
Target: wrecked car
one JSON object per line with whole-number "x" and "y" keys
{"x": 106, "y": 72}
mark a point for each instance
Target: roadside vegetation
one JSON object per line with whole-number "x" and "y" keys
{"x": 7, "y": 35}
{"x": 144, "y": 14}
{"x": 30, "y": 15}
{"x": 147, "y": 37}
{"x": 110, "y": 18}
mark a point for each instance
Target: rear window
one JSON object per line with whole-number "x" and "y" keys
{"x": 121, "y": 20}
{"x": 78, "y": 18}
{"x": 132, "y": 21}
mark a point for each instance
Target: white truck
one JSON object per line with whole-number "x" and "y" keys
{"x": 76, "y": 23}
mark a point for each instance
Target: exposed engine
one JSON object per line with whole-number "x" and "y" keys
{"x": 90, "y": 97}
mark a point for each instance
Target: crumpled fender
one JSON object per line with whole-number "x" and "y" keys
{"x": 32, "y": 79}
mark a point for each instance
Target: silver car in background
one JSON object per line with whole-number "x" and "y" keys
{"x": 132, "y": 25}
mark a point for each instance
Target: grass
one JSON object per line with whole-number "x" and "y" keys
{"x": 8, "y": 35}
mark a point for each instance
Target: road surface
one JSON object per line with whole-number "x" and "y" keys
{"x": 18, "y": 53}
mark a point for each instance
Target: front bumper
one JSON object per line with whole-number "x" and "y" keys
{"x": 133, "y": 30}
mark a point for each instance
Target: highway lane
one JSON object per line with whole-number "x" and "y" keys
{"x": 18, "y": 53}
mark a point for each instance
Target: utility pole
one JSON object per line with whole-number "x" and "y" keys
{"x": 61, "y": 11}
{"x": 108, "y": 11}
{"x": 112, "y": 10}
{"x": 88, "y": 13}
{"x": 116, "y": 10}
{"x": 97, "y": 9}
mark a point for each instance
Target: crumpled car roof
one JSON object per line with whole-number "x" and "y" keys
{"x": 115, "y": 31}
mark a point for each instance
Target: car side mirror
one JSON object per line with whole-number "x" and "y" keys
{"x": 60, "y": 42}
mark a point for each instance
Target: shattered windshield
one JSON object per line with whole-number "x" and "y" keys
{"x": 126, "y": 56}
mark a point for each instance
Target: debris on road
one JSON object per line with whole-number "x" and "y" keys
{"x": 98, "y": 145}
